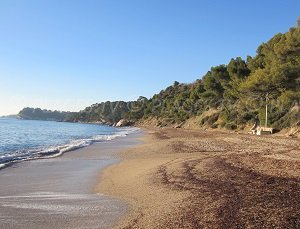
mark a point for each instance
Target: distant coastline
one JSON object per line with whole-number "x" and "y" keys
{"x": 10, "y": 116}
{"x": 29, "y": 113}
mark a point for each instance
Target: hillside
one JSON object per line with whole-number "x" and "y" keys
{"x": 230, "y": 95}
{"x": 39, "y": 114}
{"x": 105, "y": 112}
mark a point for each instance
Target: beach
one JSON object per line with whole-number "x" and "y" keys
{"x": 159, "y": 178}
{"x": 58, "y": 192}
{"x": 207, "y": 179}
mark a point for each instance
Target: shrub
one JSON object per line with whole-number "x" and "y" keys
{"x": 203, "y": 120}
{"x": 230, "y": 126}
{"x": 214, "y": 126}
{"x": 212, "y": 119}
{"x": 287, "y": 120}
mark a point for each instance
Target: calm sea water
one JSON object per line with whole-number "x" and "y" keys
{"x": 27, "y": 139}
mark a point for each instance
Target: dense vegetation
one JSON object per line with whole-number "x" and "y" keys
{"x": 229, "y": 95}
{"x": 39, "y": 114}
{"x": 105, "y": 112}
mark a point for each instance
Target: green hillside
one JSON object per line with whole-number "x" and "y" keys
{"x": 236, "y": 92}
{"x": 105, "y": 112}
{"x": 39, "y": 114}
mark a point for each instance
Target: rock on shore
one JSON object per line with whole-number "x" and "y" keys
{"x": 123, "y": 122}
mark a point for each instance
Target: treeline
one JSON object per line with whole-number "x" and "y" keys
{"x": 39, "y": 114}
{"x": 230, "y": 95}
{"x": 105, "y": 112}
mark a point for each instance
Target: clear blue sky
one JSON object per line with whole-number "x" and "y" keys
{"x": 69, "y": 54}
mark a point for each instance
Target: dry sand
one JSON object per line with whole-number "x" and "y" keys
{"x": 207, "y": 179}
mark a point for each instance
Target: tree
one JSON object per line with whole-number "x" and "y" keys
{"x": 175, "y": 84}
{"x": 276, "y": 67}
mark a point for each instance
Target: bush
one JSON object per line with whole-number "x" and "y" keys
{"x": 214, "y": 126}
{"x": 245, "y": 117}
{"x": 212, "y": 119}
{"x": 230, "y": 126}
{"x": 203, "y": 120}
{"x": 287, "y": 120}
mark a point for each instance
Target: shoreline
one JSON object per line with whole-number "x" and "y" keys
{"x": 58, "y": 192}
{"x": 182, "y": 178}
{"x": 58, "y": 150}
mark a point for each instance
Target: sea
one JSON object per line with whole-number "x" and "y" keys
{"x": 22, "y": 140}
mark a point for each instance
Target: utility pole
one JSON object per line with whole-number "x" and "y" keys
{"x": 267, "y": 99}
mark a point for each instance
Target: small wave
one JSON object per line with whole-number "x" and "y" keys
{"x": 55, "y": 151}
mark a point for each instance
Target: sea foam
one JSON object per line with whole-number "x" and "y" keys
{"x": 9, "y": 158}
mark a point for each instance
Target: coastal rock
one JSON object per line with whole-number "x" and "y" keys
{"x": 123, "y": 122}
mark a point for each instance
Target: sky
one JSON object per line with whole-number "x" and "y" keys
{"x": 69, "y": 54}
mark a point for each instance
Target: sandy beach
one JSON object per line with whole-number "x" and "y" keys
{"x": 57, "y": 192}
{"x": 207, "y": 179}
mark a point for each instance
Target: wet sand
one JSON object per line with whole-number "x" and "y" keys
{"x": 57, "y": 193}
{"x": 208, "y": 179}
